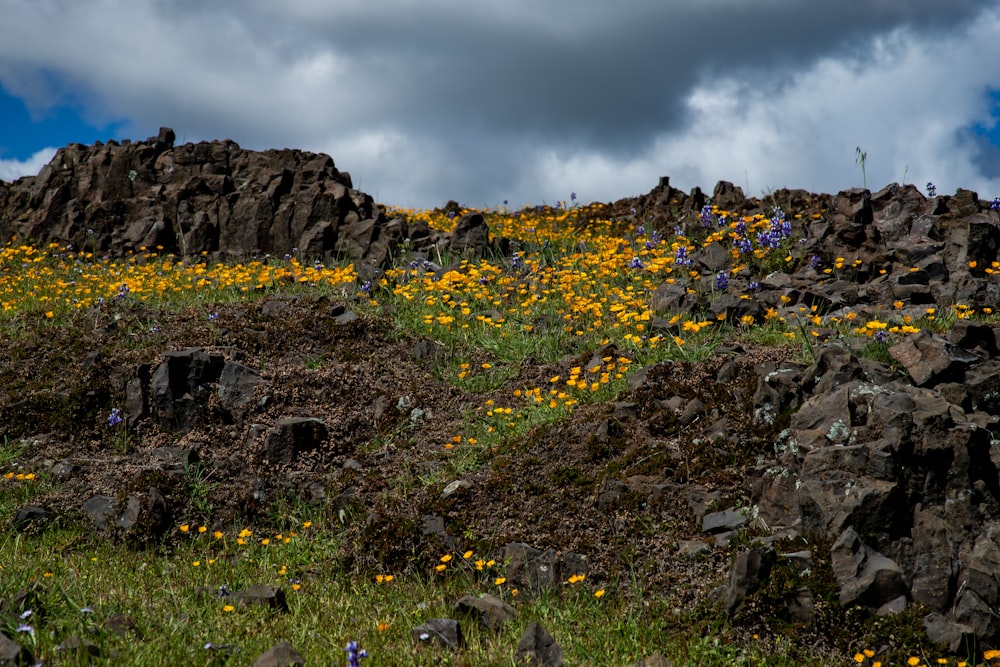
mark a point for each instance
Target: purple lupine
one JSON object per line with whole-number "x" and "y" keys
{"x": 682, "y": 258}
{"x": 721, "y": 281}
{"x": 815, "y": 261}
{"x": 354, "y": 654}
{"x": 931, "y": 189}
{"x": 115, "y": 418}
{"x": 636, "y": 263}
{"x": 706, "y": 215}
{"x": 995, "y": 206}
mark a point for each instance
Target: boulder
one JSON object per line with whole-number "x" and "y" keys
{"x": 538, "y": 648}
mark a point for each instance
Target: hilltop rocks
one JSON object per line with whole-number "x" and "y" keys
{"x": 210, "y": 197}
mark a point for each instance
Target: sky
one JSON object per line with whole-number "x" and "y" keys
{"x": 521, "y": 101}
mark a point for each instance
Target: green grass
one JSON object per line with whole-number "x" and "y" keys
{"x": 172, "y": 594}
{"x": 493, "y": 319}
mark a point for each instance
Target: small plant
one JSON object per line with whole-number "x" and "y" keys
{"x": 861, "y": 158}
{"x": 120, "y": 436}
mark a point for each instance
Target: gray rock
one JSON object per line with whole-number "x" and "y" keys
{"x": 12, "y": 653}
{"x": 258, "y": 595}
{"x": 751, "y": 569}
{"x": 538, "y": 647}
{"x": 237, "y": 386}
{"x": 99, "y": 509}
{"x": 864, "y": 576}
{"x": 122, "y": 625}
{"x": 470, "y": 236}
{"x": 292, "y": 436}
{"x": 28, "y": 516}
{"x": 533, "y": 570}
{"x": 692, "y": 548}
{"x": 180, "y": 383}
{"x": 282, "y": 654}
{"x": 445, "y": 632}
{"x": 930, "y": 359}
{"x": 957, "y": 636}
{"x": 721, "y": 522}
{"x": 492, "y": 612}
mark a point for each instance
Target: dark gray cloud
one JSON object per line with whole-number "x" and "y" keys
{"x": 424, "y": 100}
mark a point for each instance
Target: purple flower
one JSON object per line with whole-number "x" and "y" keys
{"x": 366, "y": 287}
{"x": 744, "y": 245}
{"x": 115, "y": 418}
{"x": 123, "y": 290}
{"x": 572, "y": 196}
{"x": 721, "y": 281}
{"x": 995, "y": 206}
{"x": 516, "y": 261}
{"x": 636, "y": 263}
{"x": 815, "y": 261}
{"x": 682, "y": 258}
{"x": 753, "y": 286}
{"x": 354, "y": 653}
{"x": 706, "y": 215}
{"x": 881, "y": 336}
{"x": 931, "y": 189}
{"x": 213, "y": 317}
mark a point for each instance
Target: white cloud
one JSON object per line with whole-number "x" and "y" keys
{"x": 481, "y": 102}
{"x": 907, "y": 103}
{"x": 11, "y": 170}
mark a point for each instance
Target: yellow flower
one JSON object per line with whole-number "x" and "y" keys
{"x": 441, "y": 568}
{"x": 499, "y": 581}
{"x": 228, "y": 608}
{"x": 913, "y": 661}
{"x": 859, "y": 658}
{"x": 467, "y": 555}
{"x": 185, "y": 528}
{"x": 599, "y": 594}
{"x": 445, "y": 558}
{"x": 202, "y": 529}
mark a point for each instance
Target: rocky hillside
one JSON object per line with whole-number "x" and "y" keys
{"x": 815, "y": 487}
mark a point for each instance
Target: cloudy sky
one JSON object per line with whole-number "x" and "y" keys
{"x": 490, "y": 100}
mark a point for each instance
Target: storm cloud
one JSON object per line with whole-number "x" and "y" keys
{"x": 429, "y": 100}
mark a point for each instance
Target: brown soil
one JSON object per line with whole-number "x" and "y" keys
{"x": 620, "y": 483}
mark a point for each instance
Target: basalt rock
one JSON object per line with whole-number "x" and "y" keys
{"x": 210, "y": 197}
